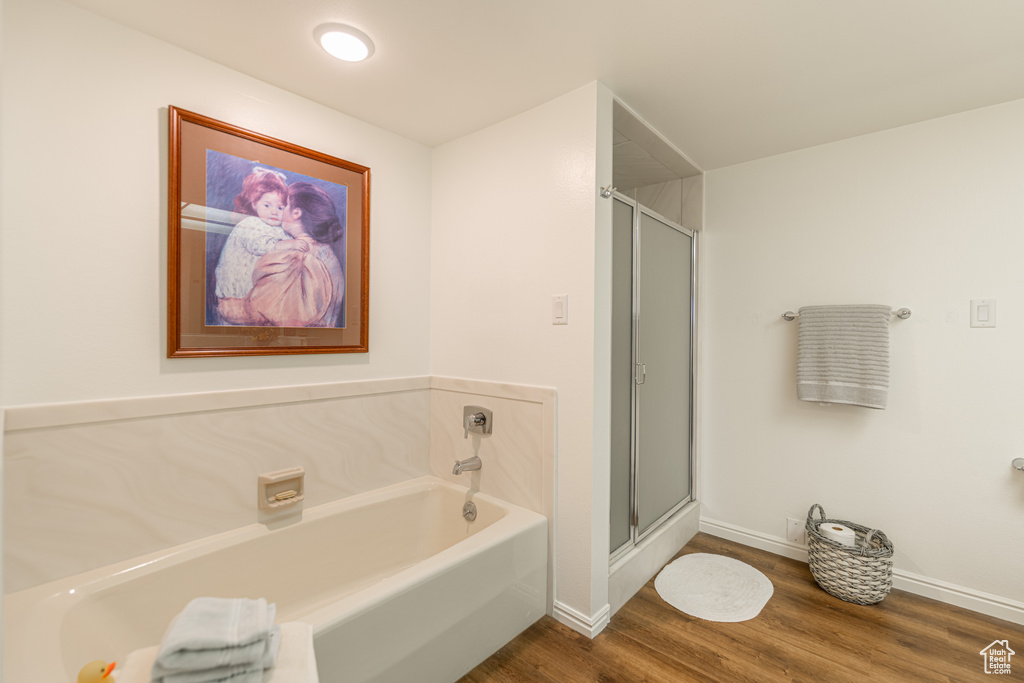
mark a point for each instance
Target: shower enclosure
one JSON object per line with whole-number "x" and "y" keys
{"x": 653, "y": 341}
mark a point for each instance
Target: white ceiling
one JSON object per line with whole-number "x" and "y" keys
{"x": 725, "y": 81}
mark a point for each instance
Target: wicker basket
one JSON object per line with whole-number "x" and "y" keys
{"x": 860, "y": 573}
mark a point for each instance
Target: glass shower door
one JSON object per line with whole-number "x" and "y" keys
{"x": 664, "y": 319}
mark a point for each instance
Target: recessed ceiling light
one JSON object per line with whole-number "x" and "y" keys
{"x": 344, "y": 42}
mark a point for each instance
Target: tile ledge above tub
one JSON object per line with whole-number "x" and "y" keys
{"x": 17, "y": 418}
{"x": 483, "y": 387}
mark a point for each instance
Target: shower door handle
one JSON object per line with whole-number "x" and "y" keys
{"x": 641, "y": 373}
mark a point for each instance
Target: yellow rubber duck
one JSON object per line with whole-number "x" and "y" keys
{"x": 95, "y": 671}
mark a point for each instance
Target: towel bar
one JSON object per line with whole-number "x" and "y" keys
{"x": 901, "y": 313}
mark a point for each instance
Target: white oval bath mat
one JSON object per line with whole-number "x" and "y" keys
{"x": 714, "y": 587}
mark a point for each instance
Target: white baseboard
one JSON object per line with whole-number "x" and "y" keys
{"x": 968, "y": 598}
{"x": 755, "y": 539}
{"x": 577, "y": 621}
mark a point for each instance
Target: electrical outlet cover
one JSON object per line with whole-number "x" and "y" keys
{"x": 794, "y": 530}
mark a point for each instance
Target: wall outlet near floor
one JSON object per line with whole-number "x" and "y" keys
{"x": 795, "y": 530}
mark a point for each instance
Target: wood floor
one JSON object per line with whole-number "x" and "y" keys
{"x": 802, "y": 634}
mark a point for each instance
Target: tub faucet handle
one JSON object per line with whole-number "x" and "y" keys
{"x": 474, "y": 420}
{"x": 477, "y": 419}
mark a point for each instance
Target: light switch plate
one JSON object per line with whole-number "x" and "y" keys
{"x": 983, "y": 312}
{"x": 560, "y": 309}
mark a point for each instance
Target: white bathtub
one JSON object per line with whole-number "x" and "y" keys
{"x": 397, "y": 585}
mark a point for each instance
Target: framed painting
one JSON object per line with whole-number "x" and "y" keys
{"x": 269, "y": 245}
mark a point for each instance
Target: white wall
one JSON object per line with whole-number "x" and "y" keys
{"x": 927, "y": 216}
{"x": 83, "y": 159}
{"x": 514, "y": 210}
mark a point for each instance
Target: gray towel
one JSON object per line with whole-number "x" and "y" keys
{"x": 232, "y": 673}
{"x": 843, "y": 355}
{"x": 215, "y": 632}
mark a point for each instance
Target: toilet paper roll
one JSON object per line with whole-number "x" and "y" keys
{"x": 838, "y": 533}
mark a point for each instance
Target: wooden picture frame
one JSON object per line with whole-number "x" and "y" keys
{"x": 257, "y": 263}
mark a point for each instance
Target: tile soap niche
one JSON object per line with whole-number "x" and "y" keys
{"x": 281, "y": 489}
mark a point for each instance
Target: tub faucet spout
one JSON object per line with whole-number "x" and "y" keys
{"x": 467, "y": 465}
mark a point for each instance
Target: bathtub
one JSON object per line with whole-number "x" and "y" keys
{"x": 397, "y": 585}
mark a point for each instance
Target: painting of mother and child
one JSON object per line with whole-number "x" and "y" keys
{"x": 278, "y": 258}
